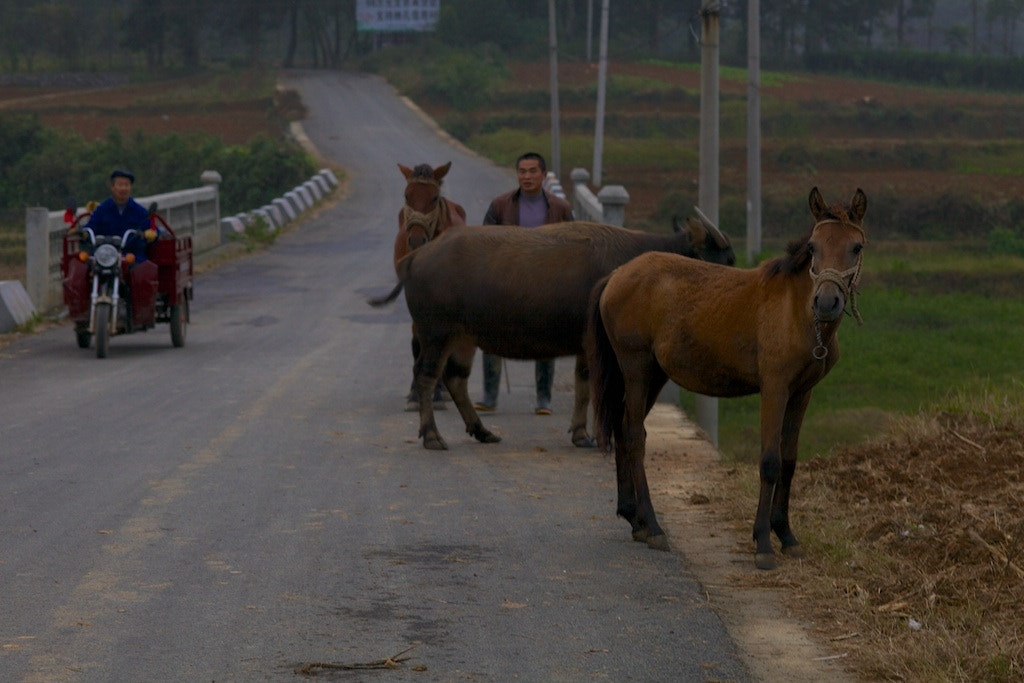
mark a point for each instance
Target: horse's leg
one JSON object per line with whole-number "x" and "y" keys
{"x": 637, "y": 369}
{"x": 632, "y": 476}
{"x": 656, "y": 381}
{"x": 412, "y": 402}
{"x": 456, "y": 377}
{"x": 427, "y": 370}
{"x": 795, "y": 410}
{"x": 581, "y": 394}
{"x": 773, "y": 406}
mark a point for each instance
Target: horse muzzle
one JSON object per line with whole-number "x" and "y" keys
{"x": 829, "y": 302}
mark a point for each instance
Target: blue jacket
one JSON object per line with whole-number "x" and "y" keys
{"x": 107, "y": 220}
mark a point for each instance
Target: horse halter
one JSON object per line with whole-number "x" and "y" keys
{"x": 428, "y": 221}
{"x": 847, "y": 281}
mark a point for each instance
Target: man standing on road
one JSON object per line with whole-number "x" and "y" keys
{"x": 528, "y": 206}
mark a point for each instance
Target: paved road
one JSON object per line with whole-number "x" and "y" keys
{"x": 258, "y": 500}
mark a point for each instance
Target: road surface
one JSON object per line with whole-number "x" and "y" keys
{"x": 258, "y": 500}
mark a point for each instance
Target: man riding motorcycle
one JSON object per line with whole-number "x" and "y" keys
{"x": 115, "y": 215}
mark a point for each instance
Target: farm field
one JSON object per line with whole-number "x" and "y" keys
{"x": 918, "y": 152}
{"x": 913, "y": 515}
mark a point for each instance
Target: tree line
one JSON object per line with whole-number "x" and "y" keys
{"x": 160, "y": 35}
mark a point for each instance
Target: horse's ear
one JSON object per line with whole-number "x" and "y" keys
{"x": 406, "y": 171}
{"x": 442, "y": 171}
{"x": 817, "y": 203}
{"x": 858, "y": 206}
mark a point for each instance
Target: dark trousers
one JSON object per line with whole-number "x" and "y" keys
{"x": 544, "y": 376}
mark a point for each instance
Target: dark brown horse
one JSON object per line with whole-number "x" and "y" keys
{"x": 424, "y": 216}
{"x": 724, "y": 332}
{"x": 519, "y": 293}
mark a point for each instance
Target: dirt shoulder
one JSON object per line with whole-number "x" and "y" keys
{"x": 698, "y": 498}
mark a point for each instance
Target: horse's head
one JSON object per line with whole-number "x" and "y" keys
{"x": 710, "y": 243}
{"x": 835, "y": 249}
{"x": 422, "y": 218}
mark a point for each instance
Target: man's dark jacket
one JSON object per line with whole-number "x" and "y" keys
{"x": 107, "y": 220}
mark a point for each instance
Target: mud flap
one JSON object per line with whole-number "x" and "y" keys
{"x": 144, "y": 281}
{"x": 76, "y": 291}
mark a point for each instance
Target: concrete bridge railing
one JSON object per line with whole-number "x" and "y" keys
{"x": 607, "y": 206}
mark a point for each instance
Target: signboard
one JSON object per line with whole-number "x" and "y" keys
{"x": 397, "y": 15}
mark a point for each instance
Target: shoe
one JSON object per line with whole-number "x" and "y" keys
{"x": 484, "y": 407}
{"x": 542, "y": 409}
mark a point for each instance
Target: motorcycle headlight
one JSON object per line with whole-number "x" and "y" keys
{"x": 106, "y": 255}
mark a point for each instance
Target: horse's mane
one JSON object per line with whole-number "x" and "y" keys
{"x": 798, "y": 257}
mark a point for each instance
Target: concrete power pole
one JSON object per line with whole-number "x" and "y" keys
{"x": 707, "y": 198}
{"x": 590, "y": 31}
{"x": 753, "y": 130}
{"x": 602, "y": 77}
{"x": 556, "y": 143}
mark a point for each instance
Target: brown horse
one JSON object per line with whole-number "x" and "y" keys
{"x": 424, "y": 216}
{"x": 724, "y": 332}
{"x": 519, "y": 293}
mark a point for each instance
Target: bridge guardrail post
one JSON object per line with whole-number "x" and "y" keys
{"x": 613, "y": 200}
{"x": 37, "y": 254}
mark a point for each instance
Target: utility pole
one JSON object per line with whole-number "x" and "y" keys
{"x": 556, "y": 143}
{"x": 590, "y": 31}
{"x": 707, "y": 406}
{"x": 753, "y": 130}
{"x": 602, "y": 77}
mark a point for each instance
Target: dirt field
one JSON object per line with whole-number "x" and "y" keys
{"x": 237, "y": 113}
{"x": 915, "y": 544}
{"x": 842, "y": 151}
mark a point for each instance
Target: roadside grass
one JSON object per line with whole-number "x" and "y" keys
{"x": 914, "y": 541}
{"x": 216, "y": 86}
{"x": 256, "y": 235}
{"x": 916, "y": 349}
{"x": 768, "y": 79}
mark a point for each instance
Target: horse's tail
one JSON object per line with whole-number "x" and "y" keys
{"x": 378, "y": 301}
{"x": 402, "y": 269}
{"x": 607, "y": 385}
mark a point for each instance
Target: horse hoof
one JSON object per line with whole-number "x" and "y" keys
{"x": 658, "y": 542}
{"x": 765, "y": 561}
{"x": 640, "y": 535}
{"x": 435, "y": 444}
{"x": 412, "y": 406}
{"x": 438, "y": 405}
{"x": 796, "y": 551}
{"x": 584, "y": 441}
{"x": 487, "y": 437}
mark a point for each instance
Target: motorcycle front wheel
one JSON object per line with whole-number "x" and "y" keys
{"x": 102, "y": 330}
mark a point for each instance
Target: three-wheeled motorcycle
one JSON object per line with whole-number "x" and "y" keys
{"x": 107, "y": 292}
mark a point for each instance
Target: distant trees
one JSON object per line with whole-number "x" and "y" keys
{"x": 183, "y": 34}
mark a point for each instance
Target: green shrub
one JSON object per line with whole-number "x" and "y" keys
{"x": 1006, "y": 241}
{"x": 45, "y": 166}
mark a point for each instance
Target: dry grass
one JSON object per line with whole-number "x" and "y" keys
{"x": 915, "y": 562}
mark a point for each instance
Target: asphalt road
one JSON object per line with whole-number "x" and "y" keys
{"x": 258, "y": 500}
